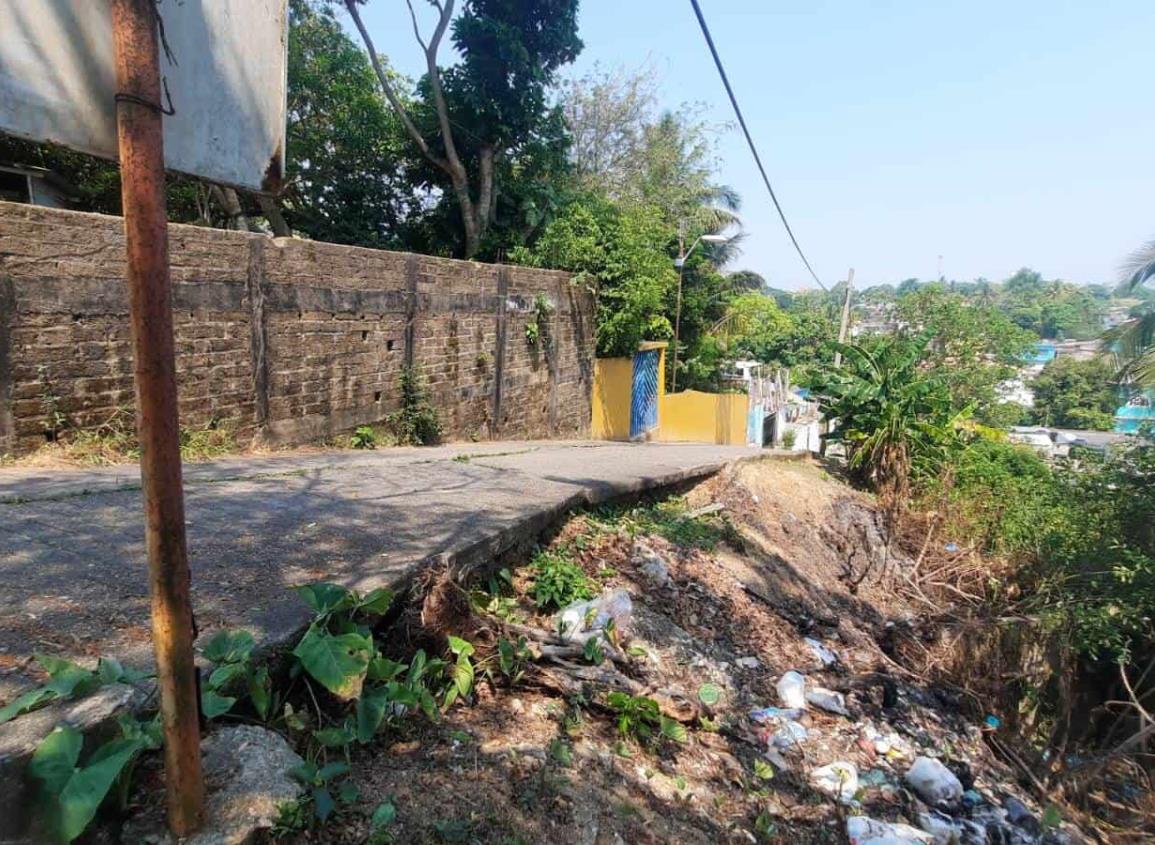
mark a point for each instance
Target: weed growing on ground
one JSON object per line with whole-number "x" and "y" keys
{"x": 363, "y": 438}
{"x": 640, "y": 718}
{"x": 417, "y": 423}
{"x": 668, "y": 519}
{"x": 558, "y": 580}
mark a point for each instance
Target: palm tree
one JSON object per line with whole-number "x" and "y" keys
{"x": 1133, "y": 342}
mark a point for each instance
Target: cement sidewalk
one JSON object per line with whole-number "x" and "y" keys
{"x": 72, "y": 564}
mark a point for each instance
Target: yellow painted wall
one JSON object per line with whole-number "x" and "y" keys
{"x": 613, "y": 381}
{"x": 702, "y": 417}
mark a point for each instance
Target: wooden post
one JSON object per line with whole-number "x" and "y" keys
{"x": 141, "y": 141}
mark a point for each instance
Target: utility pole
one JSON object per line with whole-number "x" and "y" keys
{"x": 140, "y": 135}
{"x": 681, "y": 262}
{"x": 844, "y": 326}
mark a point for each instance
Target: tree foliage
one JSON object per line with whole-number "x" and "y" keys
{"x": 894, "y": 417}
{"x": 1075, "y": 394}
{"x": 341, "y": 138}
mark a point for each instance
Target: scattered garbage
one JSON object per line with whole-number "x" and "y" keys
{"x": 651, "y": 565}
{"x": 972, "y": 798}
{"x": 838, "y": 779}
{"x": 941, "y": 827}
{"x": 829, "y": 700}
{"x": 825, "y": 655}
{"x": 861, "y": 830}
{"x": 771, "y": 714}
{"x": 890, "y": 745}
{"x": 1020, "y": 816}
{"x": 992, "y": 722}
{"x": 747, "y": 663}
{"x": 951, "y": 547}
{"x": 585, "y": 619}
{"x": 792, "y": 690}
{"x": 790, "y": 734}
{"x": 934, "y": 782}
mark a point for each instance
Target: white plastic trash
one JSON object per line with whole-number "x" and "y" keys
{"x": 933, "y": 781}
{"x": 866, "y": 831}
{"x": 789, "y": 735}
{"x": 825, "y": 655}
{"x": 838, "y": 779}
{"x": 792, "y": 691}
{"x": 585, "y": 619}
{"x": 942, "y": 829}
{"x": 828, "y": 700}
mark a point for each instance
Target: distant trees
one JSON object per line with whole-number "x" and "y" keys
{"x": 1076, "y": 394}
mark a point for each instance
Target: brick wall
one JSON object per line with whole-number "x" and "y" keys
{"x": 283, "y": 339}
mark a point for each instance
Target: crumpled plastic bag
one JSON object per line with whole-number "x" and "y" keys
{"x": 585, "y": 619}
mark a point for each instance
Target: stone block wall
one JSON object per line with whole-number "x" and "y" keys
{"x": 281, "y": 339}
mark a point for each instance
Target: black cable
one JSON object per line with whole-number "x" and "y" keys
{"x": 750, "y": 140}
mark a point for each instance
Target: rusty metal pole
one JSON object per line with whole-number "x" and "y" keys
{"x": 140, "y": 134}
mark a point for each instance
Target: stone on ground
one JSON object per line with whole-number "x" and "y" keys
{"x": 246, "y": 771}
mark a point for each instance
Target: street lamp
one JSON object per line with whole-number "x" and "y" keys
{"x": 680, "y": 263}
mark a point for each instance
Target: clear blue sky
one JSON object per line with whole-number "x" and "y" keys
{"x": 996, "y": 134}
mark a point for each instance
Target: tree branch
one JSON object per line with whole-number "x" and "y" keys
{"x": 416, "y": 31}
{"x": 390, "y": 94}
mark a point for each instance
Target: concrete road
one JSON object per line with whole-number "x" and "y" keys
{"x": 72, "y": 562}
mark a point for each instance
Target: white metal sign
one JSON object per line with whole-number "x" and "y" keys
{"x": 226, "y": 78}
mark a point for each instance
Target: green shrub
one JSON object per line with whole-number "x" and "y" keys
{"x": 558, "y": 581}
{"x": 417, "y": 423}
{"x": 363, "y": 438}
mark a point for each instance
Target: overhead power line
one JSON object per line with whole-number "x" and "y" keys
{"x": 750, "y": 139}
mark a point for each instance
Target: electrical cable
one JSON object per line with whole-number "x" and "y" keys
{"x": 750, "y": 139}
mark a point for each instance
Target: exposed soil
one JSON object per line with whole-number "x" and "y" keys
{"x": 793, "y": 554}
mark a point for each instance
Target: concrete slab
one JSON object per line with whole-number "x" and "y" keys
{"x": 72, "y": 560}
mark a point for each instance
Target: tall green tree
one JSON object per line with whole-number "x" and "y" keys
{"x": 469, "y": 118}
{"x": 1075, "y": 394}
{"x": 342, "y": 141}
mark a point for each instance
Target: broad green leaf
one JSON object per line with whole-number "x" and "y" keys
{"x": 213, "y": 704}
{"x": 348, "y": 793}
{"x": 463, "y": 675}
{"x": 383, "y": 816}
{"x": 334, "y": 737}
{"x": 376, "y": 601}
{"x": 82, "y": 795}
{"x": 460, "y": 647}
{"x": 332, "y": 770}
{"x": 323, "y": 804}
{"x": 26, "y": 702}
{"x": 229, "y": 646}
{"x": 417, "y": 666}
{"x": 339, "y": 663}
{"x": 109, "y": 670}
{"x": 55, "y": 758}
{"x": 325, "y": 598}
{"x": 671, "y": 729}
{"x": 709, "y": 694}
{"x": 428, "y": 705}
{"x": 384, "y": 669}
{"x": 66, "y": 678}
{"x": 401, "y": 694}
{"x": 370, "y": 713}
{"x": 306, "y": 773}
{"x": 261, "y": 692}
{"x": 222, "y": 676}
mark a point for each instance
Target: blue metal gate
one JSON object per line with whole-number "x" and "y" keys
{"x": 644, "y": 396}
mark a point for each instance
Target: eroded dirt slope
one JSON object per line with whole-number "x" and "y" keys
{"x": 769, "y": 568}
